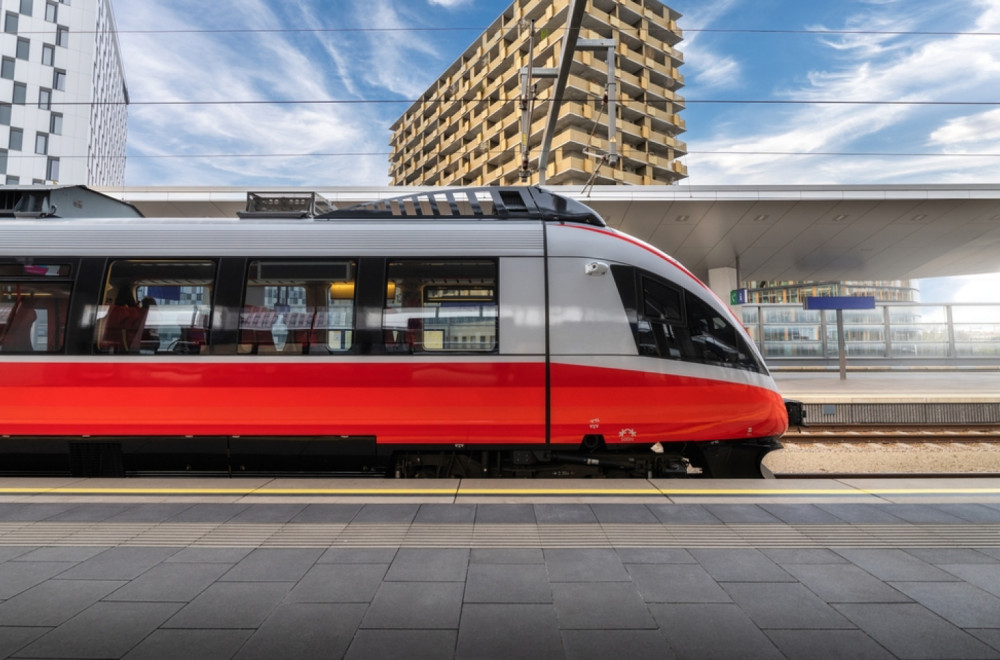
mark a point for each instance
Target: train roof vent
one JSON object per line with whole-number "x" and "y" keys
{"x": 284, "y": 205}
{"x": 484, "y": 203}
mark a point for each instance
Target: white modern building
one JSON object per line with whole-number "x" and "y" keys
{"x": 63, "y": 99}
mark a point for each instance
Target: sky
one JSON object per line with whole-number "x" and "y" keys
{"x": 202, "y": 78}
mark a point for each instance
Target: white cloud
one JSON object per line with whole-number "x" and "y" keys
{"x": 971, "y": 129}
{"x": 449, "y": 4}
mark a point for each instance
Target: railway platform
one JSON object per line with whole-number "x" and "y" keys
{"x": 264, "y": 568}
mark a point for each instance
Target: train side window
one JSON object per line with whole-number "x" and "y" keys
{"x": 296, "y": 307}
{"x": 33, "y": 307}
{"x": 441, "y": 306}
{"x": 661, "y": 327}
{"x": 152, "y": 307}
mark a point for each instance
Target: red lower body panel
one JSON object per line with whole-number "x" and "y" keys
{"x": 422, "y": 403}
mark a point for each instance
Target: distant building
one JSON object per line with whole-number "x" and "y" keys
{"x": 466, "y": 128}
{"x": 63, "y": 99}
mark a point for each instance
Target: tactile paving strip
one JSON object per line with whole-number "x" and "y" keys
{"x": 440, "y": 535}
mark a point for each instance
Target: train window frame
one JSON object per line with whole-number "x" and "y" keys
{"x": 279, "y": 328}
{"x": 156, "y": 326}
{"x": 34, "y": 307}
{"x": 406, "y": 310}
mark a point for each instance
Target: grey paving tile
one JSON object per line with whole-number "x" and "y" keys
{"x": 784, "y": 605}
{"x": 696, "y": 631}
{"x": 502, "y": 632}
{"x": 419, "y": 644}
{"x": 151, "y": 512}
{"x": 984, "y": 576}
{"x": 845, "y": 583}
{"x": 584, "y": 565}
{"x": 415, "y": 605}
{"x": 327, "y": 513}
{"x": 799, "y": 514}
{"x": 992, "y": 552}
{"x": 609, "y": 605}
{"x": 676, "y": 583}
{"x": 783, "y": 556}
{"x": 622, "y": 513}
{"x": 177, "y": 582}
{"x": 828, "y": 644}
{"x": 962, "y": 604}
{"x": 860, "y": 513}
{"x": 506, "y": 556}
{"x": 682, "y": 514}
{"x": 231, "y": 605}
{"x": 105, "y": 630}
{"x": 338, "y": 583}
{"x": 53, "y": 602}
{"x": 189, "y": 644}
{"x": 14, "y": 638}
{"x": 893, "y": 565}
{"x": 91, "y": 512}
{"x": 10, "y": 552}
{"x": 740, "y": 513}
{"x": 429, "y": 565}
{"x": 739, "y": 565}
{"x": 30, "y": 512}
{"x": 121, "y": 563}
{"x": 66, "y": 553}
{"x": 606, "y": 644}
{"x": 655, "y": 556}
{"x": 303, "y": 631}
{"x": 446, "y": 513}
{"x": 547, "y": 514}
{"x": 502, "y": 583}
{"x": 909, "y": 630}
{"x": 268, "y": 513}
{"x": 387, "y": 513}
{"x": 19, "y": 576}
{"x": 505, "y": 513}
{"x": 923, "y": 513}
{"x": 273, "y": 565}
{"x": 209, "y": 555}
{"x": 989, "y": 635}
{"x": 976, "y": 513}
{"x": 939, "y": 556}
{"x": 357, "y": 556}
{"x": 204, "y": 512}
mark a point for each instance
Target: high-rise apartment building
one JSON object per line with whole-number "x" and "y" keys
{"x": 466, "y": 128}
{"x": 63, "y": 99}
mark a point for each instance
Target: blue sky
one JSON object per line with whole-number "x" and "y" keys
{"x": 182, "y": 51}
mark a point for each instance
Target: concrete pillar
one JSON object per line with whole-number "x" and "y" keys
{"x": 722, "y": 281}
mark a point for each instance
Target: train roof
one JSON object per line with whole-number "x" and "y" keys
{"x": 483, "y": 203}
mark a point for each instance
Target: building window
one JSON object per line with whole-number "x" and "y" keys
{"x": 5, "y": 114}
{"x": 51, "y": 11}
{"x": 41, "y": 143}
{"x": 55, "y": 123}
{"x": 52, "y": 169}
{"x": 20, "y": 93}
{"x": 7, "y": 68}
{"x": 48, "y": 54}
{"x": 23, "y": 48}
{"x": 26, "y": 7}
{"x": 13, "y": 180}
{"x": 3, "y": 160}
{"x": 44, "y": 99}
{"x": 10, "y": 23}
{"x": 59, "y": 79}
{"x": 62, "y": 36}
{"x": 16, "y": 139}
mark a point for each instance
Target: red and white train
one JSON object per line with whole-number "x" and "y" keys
{"x": 473, "y": 332}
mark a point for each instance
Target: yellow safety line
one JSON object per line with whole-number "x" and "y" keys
{"x": 75, "y": 490}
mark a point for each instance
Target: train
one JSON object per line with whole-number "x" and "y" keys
{"x": 471, "y": 333}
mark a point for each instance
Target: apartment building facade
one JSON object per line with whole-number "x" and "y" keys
{"x": 466, "y": 128}
{"x": 63, "y": 97}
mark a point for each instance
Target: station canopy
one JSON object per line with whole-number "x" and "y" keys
{"x": 768, "y": 233}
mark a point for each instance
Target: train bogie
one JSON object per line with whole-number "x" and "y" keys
{"x": 516, "y": 336}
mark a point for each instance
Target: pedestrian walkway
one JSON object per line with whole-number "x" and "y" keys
{"x": 859, "y": 569}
